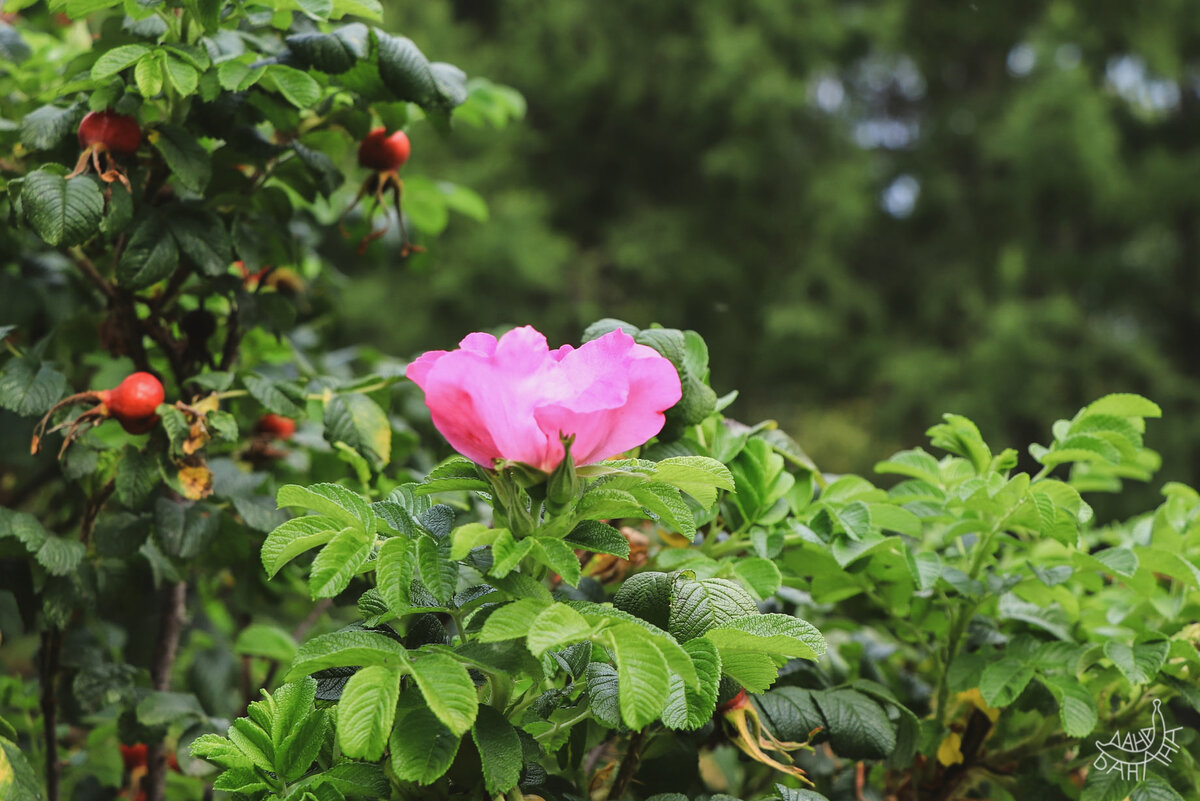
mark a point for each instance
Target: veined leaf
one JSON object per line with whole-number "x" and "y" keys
{"x": 366, "y": 710}
{"x": 448, "y": 690}
{"x": 296, "y": 536}
{"x": 499, "y": 750}
{"x": 768, "y": 634}
{"x": 689, "y": 708}
{"x": 347, "y": 649}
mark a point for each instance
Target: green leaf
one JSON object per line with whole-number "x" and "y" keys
{"x": 148, "y": 74}
{"x": 404, "y": 69}
{"x": 201, "y": 237}
{"x": 556, "y": 627}
{"x": 252, "y": 741}
{"x": 559, "y": 557}
{"x": 690, "y": 708}
{"x": 438, "y": 573}
{"x": 136, "y": 477}
{"x": 642, "y": 678}
{"x": 219, "y": 751}
{"x": 1124, "y": 405}
{"x": 858, "y": 727}
{"x": 300, "y": 89}
{"x": 279, "y": 397}
{"x": 30, "y": 388}
{"x": 499, "y": 749}
{"x": 394, "y": 573}
{"x": 159, "y": 708}
{"x": 960, "y": 436}
{"x": 150, "y": 255}
{"x": 1003, "y": 681}
{"x": 332, "y": 500}
{"x": 511, "y": 621}
{"x": 448, "y": 690}
{"x": 44, "y": 128}
{"x": 60, "y": 556}
{"x": 698, "y": 476}
{"x": 670, "y": 509}
{"x": 925, "y": 568}
{"x": 915, "y": 463}
{"x": 347, "y": 649}
{"x": 604, "y": 503}
{"x": 366, "y": 710}
{"x": 187, "y": 159}
{"x": 295, "y": 537}
{"x": 18, "y": 782}
{"x": 369, "y": 9}
{"x": 333, "y": 52}
{"x": 337, "y": 563}
{"x": 699, "y": 605}
{"x": 62, "y": 212}
{"x": 266, "y": 641}
{"x": 466, "y": 538}
{"x": 760, "y": 576}
{"x": 117, "y": 59}
{"x": 1140, "y": 663}
{"x": 768, "y": 634}
{"x": 1076, "y": 707}
{"x": 1122, "y": 561}
{"x": 238, "y": 76}
{"x": 598, "y": 537}
{"x": 359, "y": 422}
{"x": 182, "y": 76}
{"x": 603, "y": 687}
{"x": 647, "y": 596}
{"x": 293, "y": 702}
{"x": 426, "y": 758}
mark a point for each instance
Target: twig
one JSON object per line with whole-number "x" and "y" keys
{"x": 51, "y": 643}
{"x": 160, "y": 675}
{"x": 89, "y": 271}
{"x": 629, "y": 765}
{"x": 233, "y": 337}
{"x": 93, "y": 510}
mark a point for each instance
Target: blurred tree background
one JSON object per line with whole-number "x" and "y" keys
{"x": 873, "y": 211}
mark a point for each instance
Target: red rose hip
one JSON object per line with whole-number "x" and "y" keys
{"x": 116, "y": 132}
{"x": 134, "y": 400}
{"x": 384, "y": 153}
{"x": 276, "y": 425}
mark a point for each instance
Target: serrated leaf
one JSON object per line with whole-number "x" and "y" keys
{"x": 858, "y": 727}
{"x": 333, "y": 52}
{"x": 1124, "y": 405}
{"x": 1003, "y": 681}
{"x": 60, "y": 556}
{"x": 359, "y": 422}
{"x": 30, "y": 388}
{"x": 300, "y": 89}
{"x": 768, "y": 634}
{"x": 426, "y": 758}
{"x": 438, "y": 573}
{"x": 201, "y": 237}
{"x": 148, "y": 74}
{"x": 187, "y": 159}
{"x": 604, "y": 694}
{"x": 556, "y": 627}
{"x": 698, "y": 476}
{"x": 136, "y": 477}
{"x": 219, "y": 751}
{"x": 331, "y": 500}
{"x": 559, "y": 557}
{"x": 347, "y": 649}
{"x": 366, "y": 710}
{"x": 511, "y": 621}
{"x": 338, "y": 562}
{"x": 117, "y": 59}
{"x": 647, "y": 596}
{"x": 63, "y": 212}
{"x": 266, "y": 641}
{"x": 448, "y": 690}
{"x": 642, "y": 678}
{"x": 1076, "y": 707}
{"x": 296, "y": 536}
{"x": 598, "y": 537}
{"x": 760, "y": 576}
{"x": 1139, "y": 663}
{"x": 699, "y": 605}
{"x": 394, "y": 573}
{"x": 45, "y": 127}
{"x": 150, "y": 254}
{"x": 690, "y": 708}
{"x": 182, "y": 76}
{"x": 499, "y": 749}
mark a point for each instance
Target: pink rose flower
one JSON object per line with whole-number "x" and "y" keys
{"x": 512, "y": 398}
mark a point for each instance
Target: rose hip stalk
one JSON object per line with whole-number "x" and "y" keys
{"x": 384, "y": 154}
{"x": 104, "y": 135}
{"x": 132, "y": 403}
